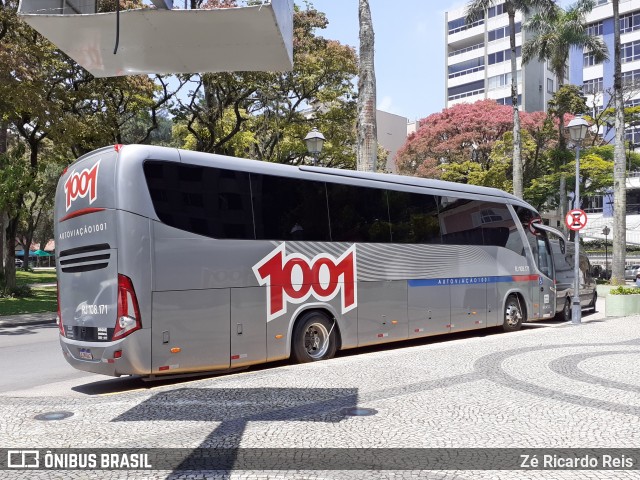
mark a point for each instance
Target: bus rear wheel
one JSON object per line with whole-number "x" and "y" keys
{"x": 565, "y": 315}
{"x": 314, "y": 338}
{"x": 513, "y": 314}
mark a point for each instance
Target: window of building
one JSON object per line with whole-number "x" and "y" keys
{"x": 503, "y": 32}
{"x": 459, "y": 24}
{"x": 550, "y": 85}
{"x": 503, "y": 56}
{"x": 466, "y": 67}
{"x": 466, "y": 90}
{"x": 630, "y": 51}
{"x": 630, "y": 22}
{"x": 502, "y": 80}
{"x": 496, "y": 10}
{"x": 594, "y": 29}
{"x": 588, "y": 59}
{"x": 632, "y": 134}
{"x": 631, "y": 78}
{"x": 593, "y": 86}
{"x": 507, "y": 100}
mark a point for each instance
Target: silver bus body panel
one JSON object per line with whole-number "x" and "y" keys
{"x": 134, "y": 361}
{"x": 203, "y": 308}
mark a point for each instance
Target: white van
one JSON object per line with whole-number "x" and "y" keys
{"x": 564, "y": 276}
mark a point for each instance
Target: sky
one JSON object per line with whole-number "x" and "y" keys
{"x": 409, "y": 49}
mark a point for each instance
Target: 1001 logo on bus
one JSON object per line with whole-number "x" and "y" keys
{"x": 294, "y": 278}
{"x": 78, "y": 185}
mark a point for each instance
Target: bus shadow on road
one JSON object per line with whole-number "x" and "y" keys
{"x": 131, "y": 383}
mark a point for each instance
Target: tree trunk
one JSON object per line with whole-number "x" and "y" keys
{"x": 619, "y": 161}
{"x": 10, "y": 265}
{"x": 4, "y": 126}
{"x": 518, "y": 180}
{"x": 562, "y": 204}
{"x": 367, "y": 141}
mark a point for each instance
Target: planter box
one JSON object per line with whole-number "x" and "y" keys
{"x": 622, "y": 305}
{"x": 603, "y": 290}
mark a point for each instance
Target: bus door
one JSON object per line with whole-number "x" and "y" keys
{"x": 544, "y": 293}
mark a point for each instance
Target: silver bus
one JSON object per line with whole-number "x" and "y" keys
{"x": 173, "y": 261}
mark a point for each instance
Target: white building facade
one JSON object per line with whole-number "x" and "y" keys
{"x": 478, "y": 62}
{"x": 597, "y": 84}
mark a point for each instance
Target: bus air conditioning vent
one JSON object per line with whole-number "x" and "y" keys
{"x": 85, "y": 259}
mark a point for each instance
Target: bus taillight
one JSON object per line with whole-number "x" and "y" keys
{"x": 59, "y": 315}
{"x": 128, "y": 320}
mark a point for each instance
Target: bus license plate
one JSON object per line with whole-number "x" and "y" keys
{"x": 85, "y": 354}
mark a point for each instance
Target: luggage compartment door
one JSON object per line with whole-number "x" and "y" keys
{"x": 190, "y": 330}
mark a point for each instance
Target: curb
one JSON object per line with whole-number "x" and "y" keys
{"x": 25, "y": 323}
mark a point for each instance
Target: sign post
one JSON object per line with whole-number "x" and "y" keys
{"x": 576, "y": 220}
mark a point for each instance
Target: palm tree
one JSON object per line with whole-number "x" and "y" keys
{"x": 555, "y": 31}
{"x": 475, "y": 10}
{"x": 367, "y": 142}
{"x": 619, "y": 160}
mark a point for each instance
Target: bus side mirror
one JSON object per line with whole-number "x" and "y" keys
{"x": 562, "y": 246}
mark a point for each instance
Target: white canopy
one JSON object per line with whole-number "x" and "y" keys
{"x": 258, "y": 38}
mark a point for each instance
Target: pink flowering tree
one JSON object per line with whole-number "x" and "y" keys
{"x": 460, "y": 140}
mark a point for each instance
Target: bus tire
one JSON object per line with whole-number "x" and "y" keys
{"x": 314, "y": 338}
{"x": 513, "y": 314}
{"x": 565, "y": 314}
{"x": 592, "y": 306}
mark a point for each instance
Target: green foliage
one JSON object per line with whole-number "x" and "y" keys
{"x": 41, "y": 300}
{"x": 621, "y": 290}
{"x": 35, "y": 277}
{"x": 568, "y": 99}
{"x": 19, "y": 291}
{"x": 598, "y": 171}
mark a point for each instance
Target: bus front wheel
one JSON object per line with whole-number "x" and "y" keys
{"x": 314, "y": 338}
{"x": 513, "y": 314}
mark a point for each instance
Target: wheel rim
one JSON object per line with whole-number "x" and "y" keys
{"x": 512, "y": 315}
{"x": 316, "y": 340}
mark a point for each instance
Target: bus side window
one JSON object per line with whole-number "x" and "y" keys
{"x": 414, "y": 217}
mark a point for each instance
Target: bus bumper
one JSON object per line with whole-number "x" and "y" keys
{"x": 122, "y": 357}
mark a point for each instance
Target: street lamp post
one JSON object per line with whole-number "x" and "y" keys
{"x": 577, "y": 129}
{"x": 314, "y": 141}
{"x": 605, "y": 232}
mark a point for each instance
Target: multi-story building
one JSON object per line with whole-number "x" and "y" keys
{"x": 596, "y": 80}
{"x": 478, "y": 62}
{"x": 478, "y": 67}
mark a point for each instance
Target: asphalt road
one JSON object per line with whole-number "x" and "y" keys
{"x": 30, "y": 357}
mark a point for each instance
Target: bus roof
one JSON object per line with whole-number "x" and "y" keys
{"x": 257, "y": 166}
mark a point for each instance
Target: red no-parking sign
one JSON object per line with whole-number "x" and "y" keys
{"x": 576, "y": 219}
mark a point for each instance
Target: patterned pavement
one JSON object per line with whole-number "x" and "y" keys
{"x": 548, "y": 387}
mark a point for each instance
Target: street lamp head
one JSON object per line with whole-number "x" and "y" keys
{"x": 314, "y": 141}
{"x": 606, "y": 231}
{"x": 577, "y": 129}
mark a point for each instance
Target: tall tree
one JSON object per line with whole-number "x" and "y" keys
{"x": 367, "y": 143}
{"x": 461, "y": 134}
{"x": 476, "y": 10}
{"x": 619, "y": 160}
{"x": 266, "y": 115}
